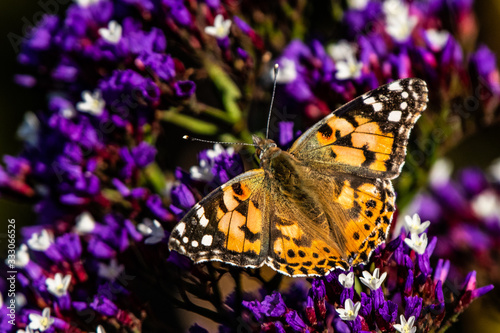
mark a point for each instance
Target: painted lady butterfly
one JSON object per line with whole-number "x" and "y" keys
{"x": 325, "y": 203}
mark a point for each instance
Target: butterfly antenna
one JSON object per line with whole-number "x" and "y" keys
{"x": 187, "y": 137}
{"x": 276, "y": 66}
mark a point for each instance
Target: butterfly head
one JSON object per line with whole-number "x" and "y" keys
{"x": 264, "y": 147}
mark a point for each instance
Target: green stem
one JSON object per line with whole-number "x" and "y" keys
{"x": 155, "y": 177}
{"x": 192, "y": 124}
{"x": 228, "y": 89}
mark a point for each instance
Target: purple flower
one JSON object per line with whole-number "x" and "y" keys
{"x": 184, "y": 89}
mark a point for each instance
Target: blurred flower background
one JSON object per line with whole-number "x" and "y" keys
{"x": 100, "y": 94}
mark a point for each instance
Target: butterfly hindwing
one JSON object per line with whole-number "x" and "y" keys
{"x": 367, "y": 136}
{"x": 227, "y": 225}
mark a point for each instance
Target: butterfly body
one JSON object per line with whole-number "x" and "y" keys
{"x": 325, "y": 203}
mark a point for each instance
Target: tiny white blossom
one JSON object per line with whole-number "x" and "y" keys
{"x": 414, "y": 225}
{"x": 29, "y": 129}
{"x": 220, "y": 29}
{"x": 92, "y": 103}
{"x": 406, "y": 326}
{"x": 40, "y": 241}
{"x": 204, "y": 170}
{"x": 153, "y": 229}
{"x": 287, "y": 72}
{"x": 85, "y": 223}
{"x": 440, "y": 172}
{"x": 342, "y": 50}
{"x": 486, "y": 204}
{"x": 86, "y": 3}
{"x": 346, "y": 64}
{"x": 357, "y": 4}
{"x": 399, "y": 24}
{"x": 58, "y": 286}
{"x": 348, "y": 69}
{"x": 41, "y": 323}
{"x": 347, "y": 281}
{"x": 437, "y": 39}
{"x": 113, "y": 33}
{"x": 100, "y": 329}
{"x": 417, "y": 243}
{"x": 21, "y": 301}
{"x": 373, "y": 281}
{"x": 350, "y": 311}
{"x": 22, "y": 256}
{"x": 111, "y": 272}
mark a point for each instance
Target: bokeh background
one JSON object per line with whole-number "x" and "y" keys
{"x": 16, "y": 15}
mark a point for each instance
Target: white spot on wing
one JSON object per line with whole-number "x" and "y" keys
{"x": 206, "y": 240}
{"x": 369, "y": 100}
{"x": 404, "y": 105}
{"x": 404, "y": 94}
{"x": 395, "y": 86}
{"x": 181, "y": 227}
{"x": 378, "y": 107}
{"x": 185, "y": 239}
{"x": 394, "y": 116}
{"x": 203, "y": 221}
{"x": 200, "y": 212}
{"x": 194, "y": 243}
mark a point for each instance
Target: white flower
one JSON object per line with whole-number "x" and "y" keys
{"x": 418, "y": 244}
{"x": 204, "y": 170}
{"x": 40, "y": 241}
{"x": 29, "y": 129}
{"x": 347, "y": 281}
{"x": 153, "y": 229}
{"x": 287, "y": 71}
{"x": 22, "y": 256}
{"x": 440, "y": 172}
{"x": 406, "y": 326}
{"x": 399, "y": 24}
{"x": 220, "y": 29}
{"x": 373, "y": 281}
{"x": 113, "y": 33}
{"x": 85, "y": 223}
{"x": 342, "y": 50}
{"x": 348, "y": 69}
{"x": 100, "y": 329}
{"x": 350, "y": 311}
{"x": 414, "y": 225}
{"x": 41, "y": 323}
{"x": 112, "y": 271}
{"x": 346, "y": 64}
{"x": 437, "y": 39}
{"x": 486, "y": 204}
{"x": 357, "y": 4}
{"x": 92, "y": 103}
{"x": 86, "y": 3}
{"x": 58, "y": 286}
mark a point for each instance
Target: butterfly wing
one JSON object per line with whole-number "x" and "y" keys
{"x": 367, "y": 136}
{"x": 338, "y": 227}
{"x": 227, "y": 225}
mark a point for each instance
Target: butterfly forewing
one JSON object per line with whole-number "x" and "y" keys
{"x": 367, "y": 136}
{"x": 227, "y": 225}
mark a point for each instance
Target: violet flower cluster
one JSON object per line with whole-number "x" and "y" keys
{"x": 399, "y": 291}
{"x": 465, "y": 210}
{"x": 118, "y": 76}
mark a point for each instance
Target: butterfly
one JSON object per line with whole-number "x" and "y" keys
{"x": 326, "y": 203}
